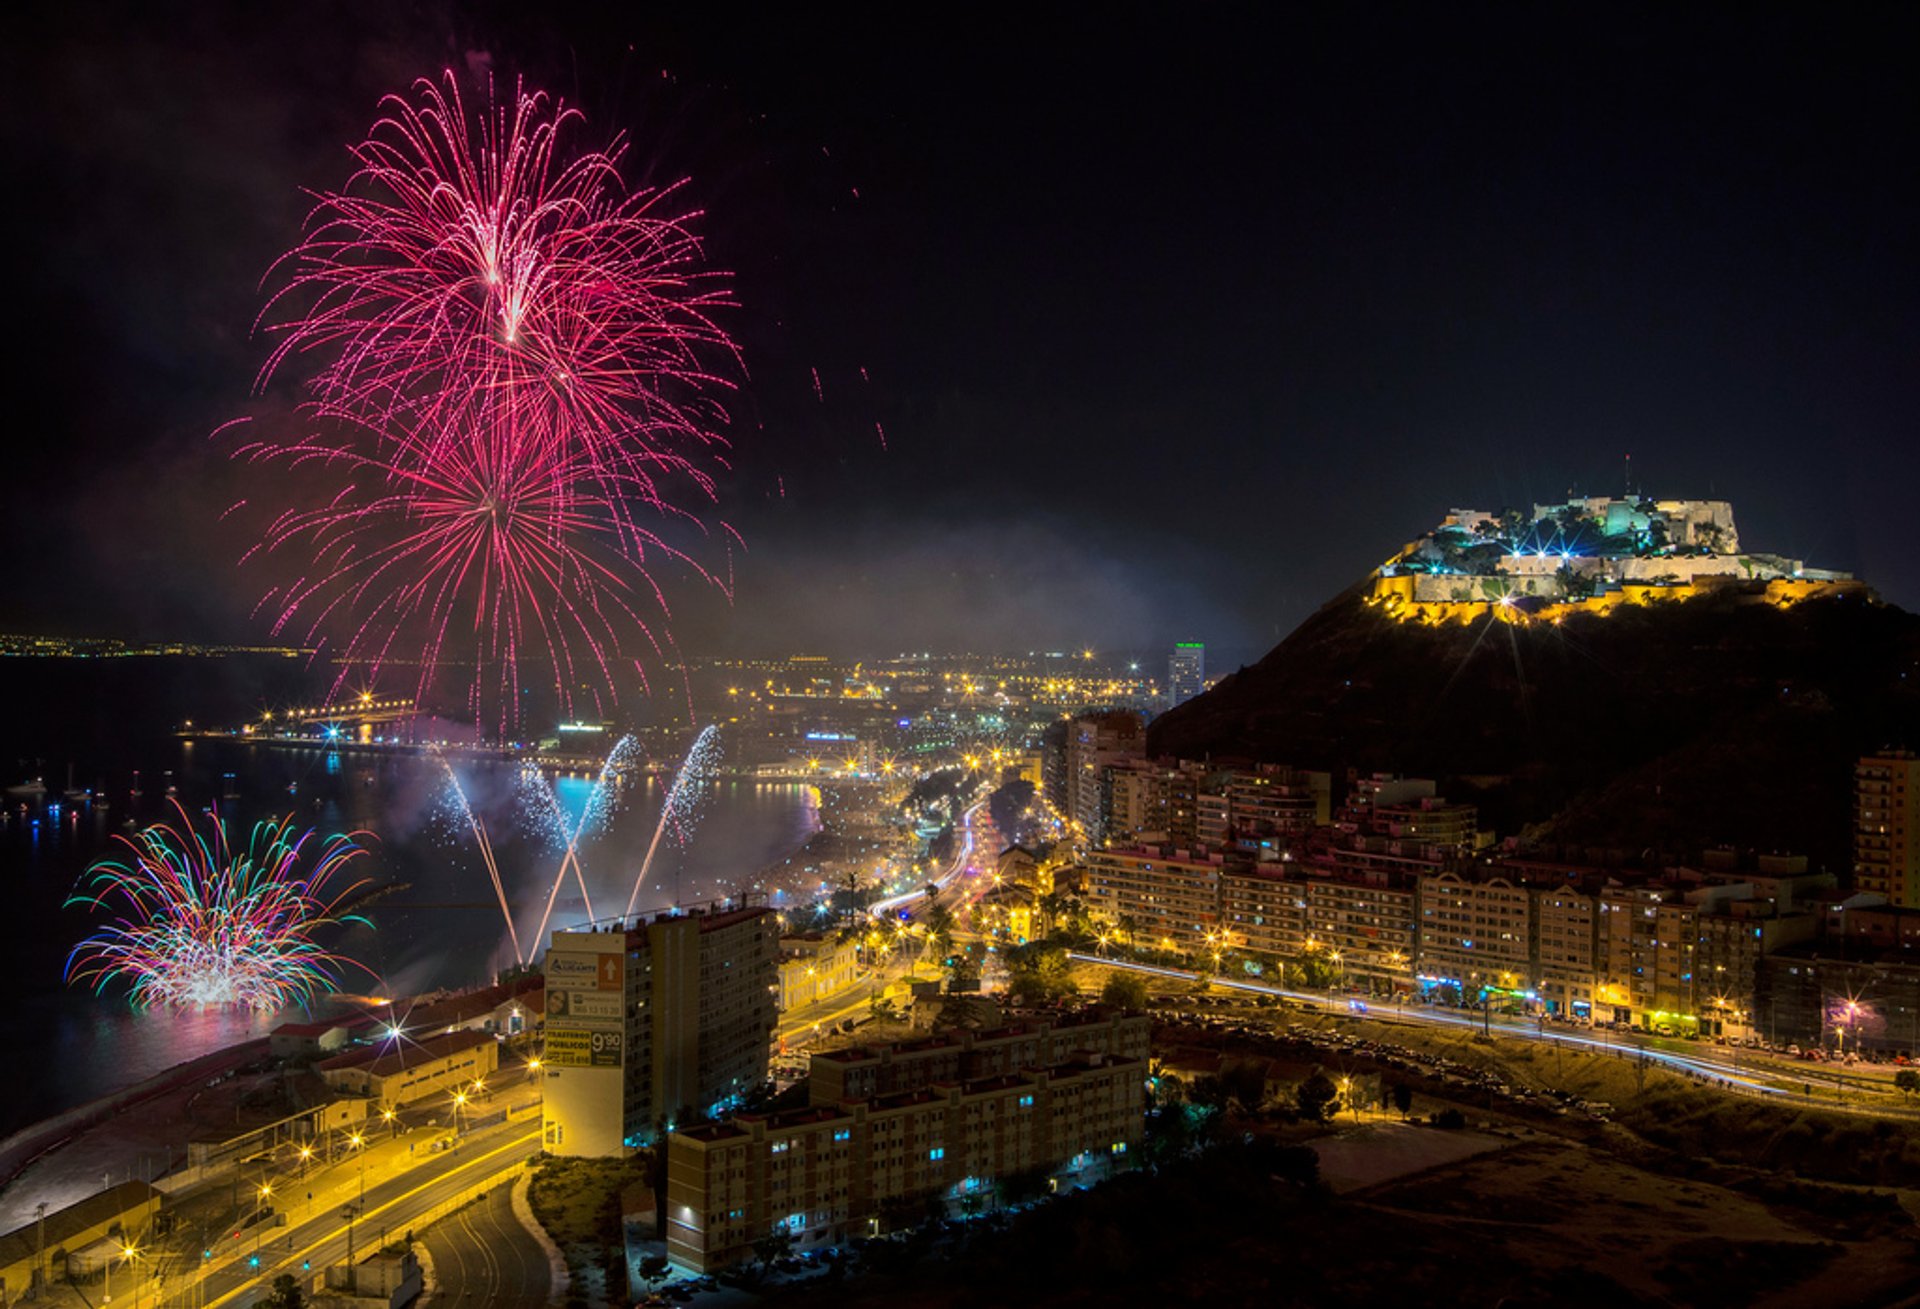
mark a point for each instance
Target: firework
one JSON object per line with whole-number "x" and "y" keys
{"x": 484, "y": 544}
{"x": 202, "y": 922}
{"x": 478, "y": 254}
{"x": 682, "y": 805}
{"x": 515, "y": 369}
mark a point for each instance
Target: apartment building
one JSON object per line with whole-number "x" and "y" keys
{"x": 815, "y": 966}
{"x": 646, "y": 1020}
{"x": 863, "y": 1072}
{"x": 1648, "y": 939}
{"x": 1170, "y": 895}
{"x": 1886, "y": 827}
{"x": 1566, "y": 925}
{"x": 828, "y": 1173}
{"x": 1476, "y": 937}
{"x": 1095, "y": 744}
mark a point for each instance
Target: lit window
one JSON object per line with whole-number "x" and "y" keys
{"x": 938, "y": 1152}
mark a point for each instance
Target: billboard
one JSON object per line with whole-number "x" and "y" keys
{"x": 586, "y": 972}
{"x": 585, "y": 1008}
{"x": 569, "y": 1047}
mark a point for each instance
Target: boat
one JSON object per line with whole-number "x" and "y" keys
{"x": 33, "y": 788}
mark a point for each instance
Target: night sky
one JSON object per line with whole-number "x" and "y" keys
{"x": 1177, "y": 319}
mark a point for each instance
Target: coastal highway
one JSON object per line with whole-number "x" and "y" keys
{"x": 399, "y": 1191}
{"x": 1714, "y": 1065}
{"x": 1727, "y": 1067}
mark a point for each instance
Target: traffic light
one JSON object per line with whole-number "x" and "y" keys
{"x": 206, "y": 1254}
{"x": 306, "y": 1265}
{"x": 254, "y": 1262}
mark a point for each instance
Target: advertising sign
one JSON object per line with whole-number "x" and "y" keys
{"x": 573, "y": 970}
{"x": 568, "y": 1048}
{"x": 612, "y": 972}
{"x": 606, "y": 1049}
{"x": 586, "y": 1008}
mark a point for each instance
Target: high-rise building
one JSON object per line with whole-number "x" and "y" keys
{"x": 672, "y": 1013}
{"x": 1095, "y": 744}
{"x": 1186, "y": 671}
{"x": 1886, "y": 827}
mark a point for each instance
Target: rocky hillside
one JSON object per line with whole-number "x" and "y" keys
{"x": 1709, "y": 721}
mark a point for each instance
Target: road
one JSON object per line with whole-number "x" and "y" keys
{"x": 400, "y": 1188}
{"x": 797, "y": 1028}
{"x": 483, "y": 1256}
{"x": 1727, "y": 1067}
{"x": 962, "y": 861}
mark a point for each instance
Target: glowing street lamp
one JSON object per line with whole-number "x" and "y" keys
{"x": 260, "y": 1219}
{"x": 128, "y": 1253}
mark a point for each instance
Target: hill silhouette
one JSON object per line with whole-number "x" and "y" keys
{"x": 1717, "y": 720}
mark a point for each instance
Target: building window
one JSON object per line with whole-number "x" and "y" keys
{"x": 779, "y": 1147}
{"x": 938, "y": 1152}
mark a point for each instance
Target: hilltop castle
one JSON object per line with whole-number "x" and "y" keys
{"x": 1590, "y": 554}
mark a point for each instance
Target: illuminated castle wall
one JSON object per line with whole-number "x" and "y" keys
{"x": 1586, "y": 555}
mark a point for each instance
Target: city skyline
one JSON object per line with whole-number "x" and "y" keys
{"x": 1310, "y": 285}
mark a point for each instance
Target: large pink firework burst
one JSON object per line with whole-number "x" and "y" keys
{"x": 512, "y": 358}
{"x": 485, "y": 550}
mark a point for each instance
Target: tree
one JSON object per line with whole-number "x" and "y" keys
{"x": 1038, "y": 971}
{"x": 1128, "y": 990}
{"x": 1403, "y": 1098}
{"x": 1316, "y": 1097}
{"x": 286, "y": 1294}
{"x": 1245, "y": 1083}
{"x": 1018, "y": 1188}
{"x": 939, "y": 923}
{"x": 654, "y": 1269}
{"x": 773, "y": 1247}
{"x": 1906, "y": 1081}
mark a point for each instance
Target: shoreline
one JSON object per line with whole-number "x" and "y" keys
{"x": 38, "y": 1144}
{"x": 36, "y": 1141}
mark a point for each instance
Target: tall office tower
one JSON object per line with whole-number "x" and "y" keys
{"x": 673, "y": 1013}
{"x": 1186, "y": 671}
{"x": 1886, "y": 826}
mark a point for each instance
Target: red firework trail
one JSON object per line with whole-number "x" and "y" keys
{"x": 511, "y": 356}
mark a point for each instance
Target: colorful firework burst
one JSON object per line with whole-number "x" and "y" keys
{"x": 202, "y": 922}
{"x": 515, "y": 360}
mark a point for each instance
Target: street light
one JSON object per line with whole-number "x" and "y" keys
{"x": 260, "y": 1218}
{"x": 127, "y": 1255}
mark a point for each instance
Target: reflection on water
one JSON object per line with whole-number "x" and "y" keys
{"x": 436, "y": 919}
